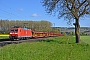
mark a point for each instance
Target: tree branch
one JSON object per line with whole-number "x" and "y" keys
{"x": 81, "y": 4}
{"x": 84, "y": 11}
{"x": 78, "y": 1}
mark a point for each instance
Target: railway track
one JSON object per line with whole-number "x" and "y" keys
{"x": 3, "y": 43}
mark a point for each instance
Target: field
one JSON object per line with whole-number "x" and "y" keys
{"x": 57, "y": 48}
{"x": 4, "y": 34}
{"x": 4, "y": 37}
{"x": 85, "y": 39}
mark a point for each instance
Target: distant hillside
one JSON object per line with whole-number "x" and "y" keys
{"x": 72, "y": 29}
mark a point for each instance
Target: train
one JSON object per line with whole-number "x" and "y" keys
{"x": 18, "y": 33}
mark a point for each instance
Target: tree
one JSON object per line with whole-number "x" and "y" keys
{"x": 70, "y": 10}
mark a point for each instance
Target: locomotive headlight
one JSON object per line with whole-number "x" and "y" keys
{"x": 10, "y": 33}
{"x": 16, "y": 33}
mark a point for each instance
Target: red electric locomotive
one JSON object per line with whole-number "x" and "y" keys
{"x": 20, "y": 33}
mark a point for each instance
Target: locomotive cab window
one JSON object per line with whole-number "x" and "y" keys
{"x": 12, "y": 30}
{"x": 16, "y": 30}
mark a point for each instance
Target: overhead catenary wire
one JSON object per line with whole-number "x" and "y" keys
{"x": 11, "y": 12}
{"x": 8, "y": 12}
{"x": 4, "y": 17}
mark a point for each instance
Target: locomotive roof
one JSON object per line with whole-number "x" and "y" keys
{"x": 20, "y": 28}
{"x": 25, "y": 28}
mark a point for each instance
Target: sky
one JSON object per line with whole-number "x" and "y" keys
{"x": 32, "y": 10}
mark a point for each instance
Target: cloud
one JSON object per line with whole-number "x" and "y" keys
{"x": 88, "y": 18}
{"x": 35, "y": 15}
{"x": 21, "y": 9}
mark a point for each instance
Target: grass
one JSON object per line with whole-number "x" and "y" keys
{"x": 57, "y": 48}
{"x": 85, "y": 39}
{"x": 4, "y": 38}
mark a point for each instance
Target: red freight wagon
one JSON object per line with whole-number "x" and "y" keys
{"x": 38, "y": 34}
{"x": 20, "y": 33}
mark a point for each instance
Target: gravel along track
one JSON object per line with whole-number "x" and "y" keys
{"x": 3, "y": 43}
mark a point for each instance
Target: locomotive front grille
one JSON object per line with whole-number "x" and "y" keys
{"x": 13, "y": 37}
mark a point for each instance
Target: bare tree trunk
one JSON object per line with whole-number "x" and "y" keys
{"x": 77, "y": 33}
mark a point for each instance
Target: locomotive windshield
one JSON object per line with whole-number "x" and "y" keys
{"x": 14, "y": 30}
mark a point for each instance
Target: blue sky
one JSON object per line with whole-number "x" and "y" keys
{"x": 32, "y": 10}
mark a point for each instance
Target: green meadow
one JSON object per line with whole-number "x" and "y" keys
{"x": 85, "y": 39}
{"x": 57, "y": 48}
{"x": 4, "y": 37}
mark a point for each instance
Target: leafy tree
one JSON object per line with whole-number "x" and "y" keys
{"x": 70, "y": 10}
{"x": 64, "y": 33}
